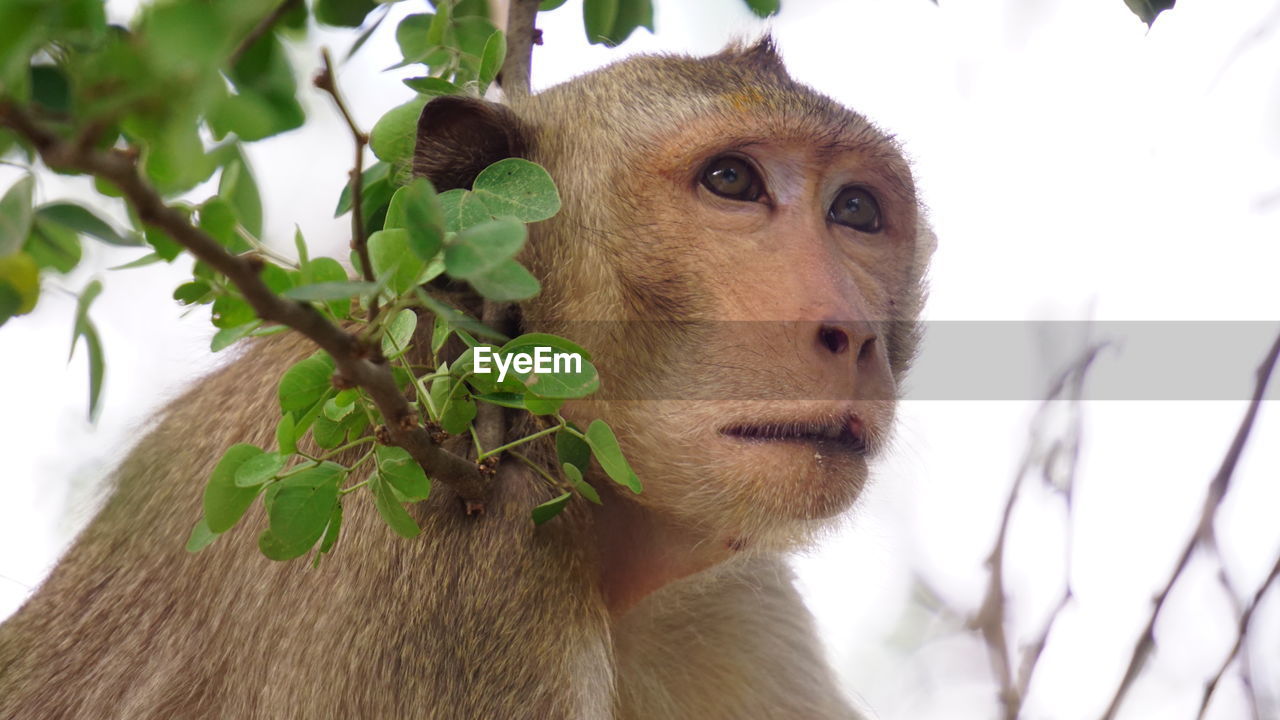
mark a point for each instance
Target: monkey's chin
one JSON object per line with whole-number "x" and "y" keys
{"x": 812, "y": 479}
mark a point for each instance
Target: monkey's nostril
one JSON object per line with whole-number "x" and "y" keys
{"x": 833, "y": 339}
{"x": 865, "y": 352}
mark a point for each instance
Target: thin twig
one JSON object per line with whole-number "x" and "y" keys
{"x": 1242, "y": 634}
{"x": 991, "y": 618}
{"x": 327, "y": 81}
{"x": 262, "y": 28}
{"x": 1203, "y": 531}
{"x": 357, "y": 363}
{"x": 521, "y": 37}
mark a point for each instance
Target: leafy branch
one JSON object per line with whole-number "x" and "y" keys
{"x": 358, "y": 364}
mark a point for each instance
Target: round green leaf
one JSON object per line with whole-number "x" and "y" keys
{"x": 259, "y": 469}
{"x": 479, "y": 249}
{"x": 395, "y": 133}
{"x": 517, "y": 188}
{"x": 224, "y": 501}
{"x": 507, "y": 282}
{"x": 306, "y": 383}
{"x": 398, "y": 469}
{"x": 20, "y": 274}
{"x": 298, "y": 509}
{"x": 398, "y": 333}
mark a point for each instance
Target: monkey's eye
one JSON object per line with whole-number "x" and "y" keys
{"x": 733, "y": 177}
{"x": 857, "y": 208}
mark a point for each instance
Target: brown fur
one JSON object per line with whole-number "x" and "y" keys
{"x": 672, "y": 604}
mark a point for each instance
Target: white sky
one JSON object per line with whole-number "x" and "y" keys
{"x": 1075, "y": 165}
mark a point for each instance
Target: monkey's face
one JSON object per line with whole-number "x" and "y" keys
{"x": 745, "y": 302}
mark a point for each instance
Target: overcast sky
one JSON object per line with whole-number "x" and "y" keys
{"x": 1076, "y": 165}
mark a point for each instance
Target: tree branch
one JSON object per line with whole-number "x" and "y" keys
{"x": 1242, "y": 634}
{"x": 357, "y": 363}
{"x": 327, "y": 81}
{"x": 262, "y": 28}
{"x": 1203, "y": 532}
{"x": 521, "y": 37}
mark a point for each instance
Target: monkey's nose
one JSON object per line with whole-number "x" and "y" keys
{"x": 838, "y": 340}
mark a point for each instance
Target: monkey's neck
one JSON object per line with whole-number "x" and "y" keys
{"x": 640, "y": 552}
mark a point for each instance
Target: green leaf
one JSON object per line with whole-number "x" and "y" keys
{"x": 84, "y": 327}
{"x": 306, "y": 383}
{"x": 21, "y": 275}
{"x": 573, "y": 450}
{"x": 542, "y": 406}
{"x": 15, "y": 215}
{"x": 440, "y": 332}
{"x": 300, "y": 246}
{"x": 298, "y": 510}
{"x": 218, "y": 218}
{"x": 49, "y": 88}
{"x": 327, "y": 433}
{"x": 53, "y": 246}
{"x": 334, "y": 410}
{"x": 507, "y": 282}
{"x": 432, "y": 86}
{"x": 1149, "y": 9}
{"x": 226, "y": 337}
{"x": 10, "y": 300}
{"x": 286, "y": 435}
{"x": 237, "y": 186}
{"x": 479, "y": 249}
{"x": 598, "y": 17}
{"x": 462, "y": 210}
{"x": 398, "y": 333}
{"x": 453, "y": 401}
{"x": 97, "y": 367}
{"x": 550, "y": 508}
{"x": 201, "y": 537}
{"x": 504, "y": 399}
{"x": 392, "y": 512}
{"x": 331, "y": 532}
{"x": 631, "y": 15}
{"x": 193, "y": 292}
{"x": 549, "y": 5}
{"x": 82, "y": 220}
{"x": 259, "y": 469}
{"x": 343, "y": 13}
{"x": 491, "y": 59}
{"x": 439, "y": 24}
{"x": 376, "y": 174}
{"x": 517, "y": 188}
{"x": 411, "y": 35}
{"x": 391, "y": 257}
{"x": 574, "y": 476}
{"x": 565, "y": 377}
{"x": 398, "y": 469}
{"x": 415, "y": 208}
{"x": 764, "y": 8}
{"x": 396, "y": 132}
{"x": 230, "y": 311}
{"x": 549, "y": 340}
{"x": 329, "y": 291}
{"x": 459, "y": 320}
{"x": 327, "y": 271}
{"x": 604, "y": 445}
{"x": 224, "y": 501}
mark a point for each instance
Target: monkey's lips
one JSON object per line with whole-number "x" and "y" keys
{"x": 846, "y": 434}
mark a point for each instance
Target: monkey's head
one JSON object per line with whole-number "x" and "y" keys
{"x": 744, "y": 258}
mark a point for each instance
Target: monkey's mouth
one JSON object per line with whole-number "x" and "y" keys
{"x": 844, "y": 434}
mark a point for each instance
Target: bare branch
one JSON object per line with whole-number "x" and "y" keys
{"x": 521, "y": 37}
{"x": 991, "y": 619}
{"x": 262, "y": 28}
{"x": 1242, "y": 634}
{"x": 327, "y": 81}
{"x": 357, "y": 363}
{"x": 1203, "y": 532}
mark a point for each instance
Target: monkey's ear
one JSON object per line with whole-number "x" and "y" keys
{"x": 460, "y": 136}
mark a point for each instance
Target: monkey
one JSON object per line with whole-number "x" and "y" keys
{"x": 746, "y": 259}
